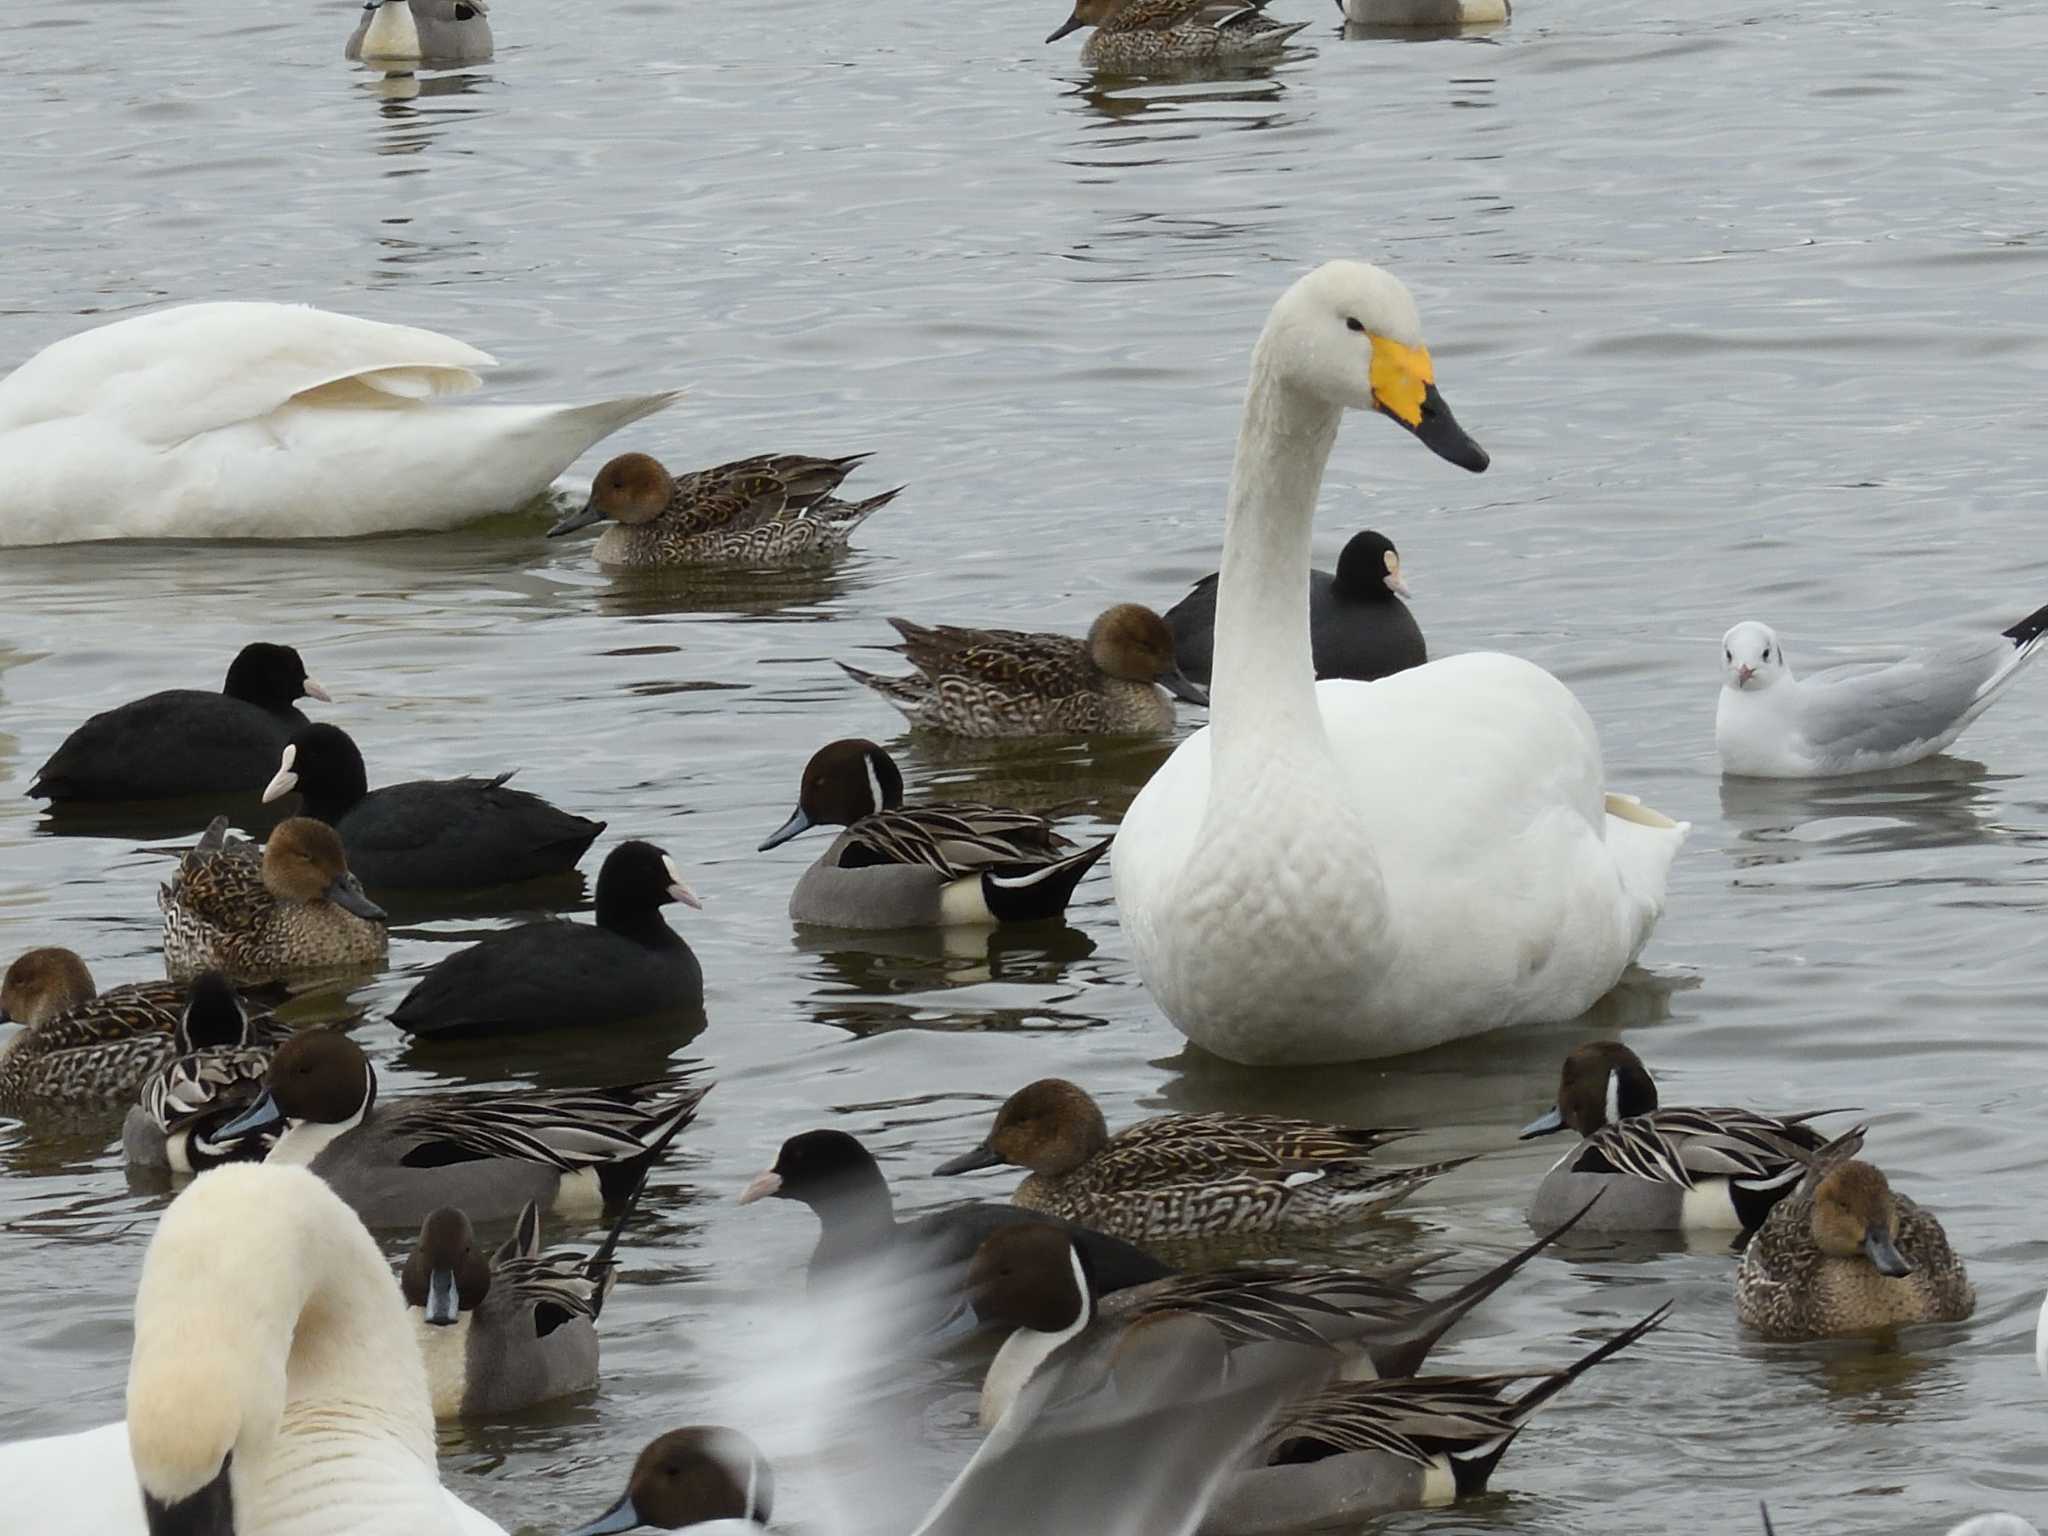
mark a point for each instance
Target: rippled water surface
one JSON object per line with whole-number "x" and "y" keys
{"x": 1749, "y": 302}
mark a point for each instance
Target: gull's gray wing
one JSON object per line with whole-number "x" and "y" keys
{"x": 1847, "y": 711}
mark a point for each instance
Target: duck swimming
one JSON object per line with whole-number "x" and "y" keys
{"x": 551, "y": 975}
{"x": 427, "y": 834}
{"x": 925, "y": 866}
{"x": 259, "y": 914}
{"x": 1138, "y": 35}
{"x": 1358, "y": 625}
{"x": 701, "y": 1475}
{"x": 183, "y": 742}
{"x": 1189, "y": 1175}
{"x": 987, "y": 683}
{"x": 777, "y": 509}
{"x": 1663, "y": 1169}
{"x": 398, "y": 1162}
{"x": 1488, "y": 876}
{"x": 220, "y": 1055}
{"x": 270, "y": 421}
{"x": 1846, "y": 1254}
{"x": 422, "y": 34}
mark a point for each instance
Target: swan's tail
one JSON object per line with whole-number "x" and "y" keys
{"x": 1643, "y": 843}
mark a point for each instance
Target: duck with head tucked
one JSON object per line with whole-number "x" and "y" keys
{"x": 1139, "y": 35}
{"x": 287, "y": 908}
{"x": 220, "y": 1055}
{"x": 398, "y": 1162}
{"x": 184, "y": 742}
{"x": 629, "y": 965}
{"x": 81, "y": 1047}
{"x": 504, "y": 1332}
{"x": 923, "y": 866}
{"x": 988, "y": 683}
{"x": 1663, "y": 1168}
{"x": 1358, "y": 625}
{"x": 1846, "y": 1254}
{"x": 403, "y": 35}
{"x": 428, "y": 834}
{"x": 1190, "y": 1175}
{"x": 773, "y": 510}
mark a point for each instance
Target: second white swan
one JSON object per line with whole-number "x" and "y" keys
{"x": 1339, "y": 871}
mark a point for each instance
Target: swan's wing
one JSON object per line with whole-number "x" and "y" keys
{"x": 165, "y": 377}
{"x": 1846, "y": 712}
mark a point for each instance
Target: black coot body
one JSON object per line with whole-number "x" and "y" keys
{"x": 431, "y": 834}
{"x": 183, "y": 743}
{"x": 552, "y": 975}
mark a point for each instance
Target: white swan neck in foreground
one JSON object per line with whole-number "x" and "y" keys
{"x": 274, "y": 1387}
{"x": 1341, "y": 871}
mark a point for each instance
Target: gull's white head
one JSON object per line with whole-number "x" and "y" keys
{"x": 1752, "y": 657}
{"x": 1349, "y": 335}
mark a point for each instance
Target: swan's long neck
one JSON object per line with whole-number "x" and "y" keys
{"x": 1263, "y": 680}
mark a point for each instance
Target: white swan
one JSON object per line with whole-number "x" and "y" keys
{"x": 1338, "y": 871}
{"x": 274, "y": 1388}
{"x": 239, "y": 420}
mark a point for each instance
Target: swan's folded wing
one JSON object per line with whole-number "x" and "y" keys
{"x": 165, "y": 377}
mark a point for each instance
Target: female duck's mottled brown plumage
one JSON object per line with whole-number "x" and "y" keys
{"x": 1008, "y": 682}
{"x": 1847, "y": 1255}
{"x": 80, "y": 1046}
{"x": 1152, "y": 34}
{"x": 289, "y": 907}
{"x": 774, "y": 509}
{"x": 1190, "y": 1175}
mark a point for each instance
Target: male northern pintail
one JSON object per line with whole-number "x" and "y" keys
{"x": 1035, "y": 1282}
{"x": 839, "y": 1180}
{"x": 427, "y": 834}
{"x": 777, "y": 509}
{"x": 553, "y": 975}
{"x": 184, "y": 742}
{"x": 219, "y": 1056}
{"x": 506, "y": 1331}
{"x": 270, "y": 421}
{"x": 1359, "y": 1449}
{"x": 83, "y": 1047}
{"x": 1863, "y": 716}
{"x": 1488, "y": 876}
{"x": 258, "y": 914}
{"x": 702, "y": 1475}
{"x": 489, "y": 1153}
{"x": 1120, "y": 681}
{"x": 274, "y": 1388}
{"x": 422, "y": 34}
{"x": 1161, "y": 34}
{"x": 1426, "y": 13}
{"x": 1711, "y": 1169}
{"x": 924, "y": 866}
{"x": 1190, "y": 1175}
{"x": 1844, "y": 1254}
{"x": 1358, "y": 625}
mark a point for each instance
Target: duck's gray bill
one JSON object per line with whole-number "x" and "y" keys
{"x": 1543, "y": 1125}
{"x": 444, "y": 1307}
{"x": 799, "y": 821}
{"x": 347, "y": 893}
{"x": 260, "y": 1116}
{"x": 981, "y": 1157}
{"x": 1184, "y": 688}
{"x": 961, "y": 1323}
{"x": 1071, "y": 24}
{"x": 622, "y": 1516}
{"x": 569, "y": 523}
{"x": 1878, "y": 1247}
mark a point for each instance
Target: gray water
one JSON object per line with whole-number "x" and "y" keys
{"x": 1747, "y": 301}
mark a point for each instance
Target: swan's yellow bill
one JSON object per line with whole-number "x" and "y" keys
{"x": 1401, "y": 377}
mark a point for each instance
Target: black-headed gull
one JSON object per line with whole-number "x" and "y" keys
{"x": 1861, "y": 717}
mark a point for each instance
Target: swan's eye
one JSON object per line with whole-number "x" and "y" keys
{"x": 1355, "y": 324}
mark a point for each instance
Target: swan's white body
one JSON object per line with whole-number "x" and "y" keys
{"x": 241, "y": 420}
{"x": 266, "y": 1325}
{"x": 1339, "y": 871}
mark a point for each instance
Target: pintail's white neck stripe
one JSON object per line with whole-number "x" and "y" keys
{"x": 1613, "y": 1097}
